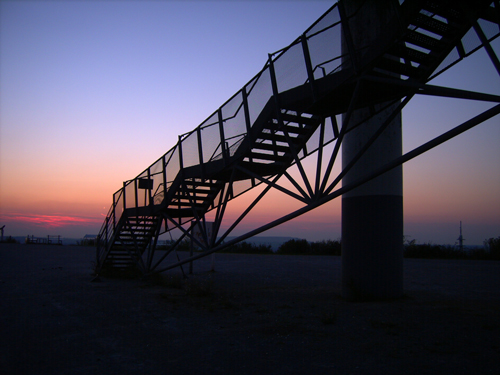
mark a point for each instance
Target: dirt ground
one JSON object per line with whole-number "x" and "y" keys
{"x": 256, "y": 314}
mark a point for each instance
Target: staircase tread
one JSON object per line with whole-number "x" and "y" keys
{"x": 433, "y": 25}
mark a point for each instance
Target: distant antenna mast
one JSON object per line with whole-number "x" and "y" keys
{"x": 461, "y": 239}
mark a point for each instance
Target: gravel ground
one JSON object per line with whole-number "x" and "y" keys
{"x": 263, "y": 314}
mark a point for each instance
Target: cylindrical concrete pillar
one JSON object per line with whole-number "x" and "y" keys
{"x": 372, "y": 214}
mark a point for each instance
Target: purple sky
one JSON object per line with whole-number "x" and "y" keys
{"x": 91, "y": 93}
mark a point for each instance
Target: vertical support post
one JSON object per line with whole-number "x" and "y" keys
{"x": 200, "y": 152}
{"x": 320, "y": 157}
{"x": 248, "y": 123}
{"x": 274, "y": 85}
{"x": 372, "y": 214}
{"x": 246, "y": 110}
{"x": 124, "y": 197}
{"x": 181, "y": 161}
{"x": 335, "y": 126}
{"x": 307, "y": 58}
{"x": 222, "y": 136}
{"x": 149, "y": 191}
{"x": 136, "y": 196}
{"x": 114, "y": 212}
{"x": 106, "y": 231}
{"x": 164, "y": 172}
{"x": 181, "y": 165}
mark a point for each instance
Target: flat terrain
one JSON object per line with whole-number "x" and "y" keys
{"x": 256, "y": 314}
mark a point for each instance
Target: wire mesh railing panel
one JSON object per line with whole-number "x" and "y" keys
{"x": 142, "y": 197}
{"x": 157, "y": 180}
{"x": 325, "y": 51}
{"x": 233, "y": 144}
{"x": 118, "y": 203}
{"x": 165, "y": 160}
{"x": 239, "y": 187}
{"x": 130, "y": 194}
{"x": 107, "y": 228}
{"x": 290, "y": 68}
{"x": 234, "y": 119}
{"x": 157, "y": 167}
{"x": 144, "y": 174}
{"x": 232, "y": 106}
{"x": 332, "y": 17}
{"x": 210, "y": 141}
{"x": 173, "y": 166}
{"x": 259, "y": 94}
{"x": 189, "y": 148}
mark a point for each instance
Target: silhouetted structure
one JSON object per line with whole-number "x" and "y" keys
{"x": 289, "y": 112}
{"x": 461, "y": 239}
{"x": 49, "y": 240}
{"x": 372, "y": 214}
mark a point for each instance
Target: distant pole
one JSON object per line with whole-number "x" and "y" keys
{"x": 461, "y": 239}
{"x": 372, "y": 214}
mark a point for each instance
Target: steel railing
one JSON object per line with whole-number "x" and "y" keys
{"x": 316, "y": 54}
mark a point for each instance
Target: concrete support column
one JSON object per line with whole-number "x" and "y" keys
{"x": 372, "y": 214}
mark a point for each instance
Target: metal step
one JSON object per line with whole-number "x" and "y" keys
{"x": 310, "y": 121}
{"x": 277, "y": 138}
{"x": 424, "y": 41}
{"x": 433, "y": 25}
{"x": 271, "y": 147}
{"x": 271, "y": 157}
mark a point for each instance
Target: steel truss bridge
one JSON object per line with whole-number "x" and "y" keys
{"x": 286, "y": 114}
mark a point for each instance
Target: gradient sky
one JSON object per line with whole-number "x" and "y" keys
{"x": 93, "y": 92}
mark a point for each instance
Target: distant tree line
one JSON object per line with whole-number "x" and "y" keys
{"x": 238, "y": 248}
{"x": 492, "y": 245}
{"x": 291, "y": 247}
{"x": 248, "y": 248}
{"x": 304, "y": 247}
{"x": 10, "y": 239}
{"x": 490, "y": 250}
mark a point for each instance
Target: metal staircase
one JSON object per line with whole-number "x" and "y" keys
{"x": 131, "y": 240}
{"x": 433, "y": 29}
{"x": 268, "y": 126}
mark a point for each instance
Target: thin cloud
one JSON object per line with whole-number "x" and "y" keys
{"x": 52, "y": 221}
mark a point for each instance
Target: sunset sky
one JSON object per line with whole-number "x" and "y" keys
{"x": 93, "y": 92}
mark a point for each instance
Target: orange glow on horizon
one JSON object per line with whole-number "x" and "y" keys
{"x": 49, "y": 221}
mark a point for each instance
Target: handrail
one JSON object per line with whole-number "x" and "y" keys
{"x": 226, "y": 128}
{"x": 252, "y": 92}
